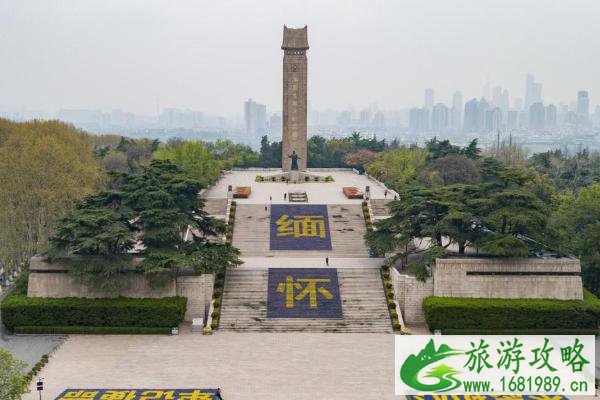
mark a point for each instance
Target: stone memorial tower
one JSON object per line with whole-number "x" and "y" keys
{"x": 295, "y": 44}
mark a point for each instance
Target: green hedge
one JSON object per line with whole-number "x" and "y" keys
{"x": 91, "y": 330}
{"x": 22, "y": 311}
{"x": 467, "y": 315}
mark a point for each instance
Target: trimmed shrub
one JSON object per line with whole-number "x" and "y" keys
{"x": 392, "y": 305}
{"x": 22, "y": 311}
{"x": 215, "y": 314}
{"x": 37, "y": 368}
{"x": 452, "y": 314}
{"x": 22, "y": 283}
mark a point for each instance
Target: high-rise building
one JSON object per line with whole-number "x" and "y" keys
{"x": 456, "y": 116}
{"x": 500, "y": 99}
{"x": 537, "y": 116}
{"x": 365, "y": 117}
{"x": 496, "y": 96}
{"x": 493, "y": 119}
{"x": 255, "y": 118}
{"x": 275, "y": 125}
{"x": 439, "y": 118}
{"x": 583, "y": 103}
{"x": 551, "y": 114}
{"x": 429, "y": 98}
{"x": 418, "y": 120}
{"x": 344, "y": 118}
{"x": 473, "y": 117}
{"x": 533, "y": 91}
{"x": 379, "y": 120}
{"x": 486, "y": 94}
{"x": 519, "y": 104}
{"x": 512, "y": 119}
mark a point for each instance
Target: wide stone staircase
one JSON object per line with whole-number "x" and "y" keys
{"x": 346, "y": 223}
{"x": 216, "y": 207}
{"x": 364, "y": 306}
{"x": 380, "y": 208}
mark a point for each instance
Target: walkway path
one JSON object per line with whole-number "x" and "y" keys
{"x": 309, "y": 262}
{"x": 315, "y": 366}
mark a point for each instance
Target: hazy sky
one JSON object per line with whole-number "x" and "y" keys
{"x": 212, "y": 55}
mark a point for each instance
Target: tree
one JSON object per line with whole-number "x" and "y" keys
{"x": 231, "y": 154}
{"x": 575, "y": 223}
{"x": 44, "y": 167}
{"x": 398, "y": 168}
{"x": 440, "y": 148}
{"x": 500, "y": 215}
{"x": 158, "y": 208}
{"x": 437, "y": 213}
{"x": 194, "y": 158}
{"x": 270, "y": 153}
{"x": 452, "y": 169}
{"x": 113, "y": 161}
{"x": 569, "y": 173}
{"x": 12, "y": 381}
{"x": 514, "y": 217}
{"x": 359, "y": 158}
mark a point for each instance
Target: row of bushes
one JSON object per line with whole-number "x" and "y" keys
{"x": 21, "y": 311}
{"x": 389, "y": 296}
{"x": 230, "y": 222}
{"x": 37, "y": 368}
{"x": 368, "y": 222}
{"x": 259, "y": 178}
{"x": 218, "y": 298}
{"x": 454, "y": 315}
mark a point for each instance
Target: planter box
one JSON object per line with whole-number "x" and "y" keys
{"x": 352, "y": 192}
{"x": 242, "y": 192}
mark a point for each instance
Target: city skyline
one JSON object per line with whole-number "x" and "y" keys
{"x": 255, "y": 117}
{"x": 212, "y": 56}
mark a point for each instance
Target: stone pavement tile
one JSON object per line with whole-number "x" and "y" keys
{"x": 318, "y": 193}
{"x": 293, "y": 366}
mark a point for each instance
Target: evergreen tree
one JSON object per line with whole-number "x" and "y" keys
{"x": 161, "y": 211}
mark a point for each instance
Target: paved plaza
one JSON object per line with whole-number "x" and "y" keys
{"x": 318, "y": 193}
{"x": 244, "y": 365}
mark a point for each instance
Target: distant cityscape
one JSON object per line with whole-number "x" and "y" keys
{"x": 492, "y": 118}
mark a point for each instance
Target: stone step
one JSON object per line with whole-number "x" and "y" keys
{"x": 364, "y": 307}
{"x": 215, "y": 207}
{"x": 347, "y": 228}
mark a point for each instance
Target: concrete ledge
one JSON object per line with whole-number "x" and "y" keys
{"x": 52, "y": 279}
{"x": 41, "y": 264}
{"x": 508, "y": 278}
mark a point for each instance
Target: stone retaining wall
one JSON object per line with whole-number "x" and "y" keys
{"x": 53, "y": 280}
{"x": 410, "y": 292}
{"x": 502, "y": 278}
{"x": 508, "y": 278}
